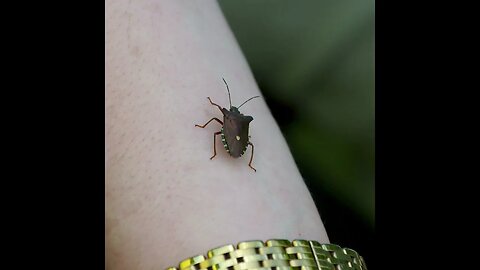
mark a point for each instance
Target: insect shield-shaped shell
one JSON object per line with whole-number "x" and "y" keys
{"x": 235, "y": 131}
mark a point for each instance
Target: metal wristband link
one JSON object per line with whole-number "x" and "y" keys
{"x": 276, "y": 255}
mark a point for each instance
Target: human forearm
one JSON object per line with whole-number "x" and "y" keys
{"x": 165, "y": 199}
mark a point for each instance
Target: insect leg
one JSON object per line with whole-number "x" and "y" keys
{"x": 220, "y": 108}
{"x": 214, "y": 147}
{"x": 251, "y": 158}
{"x": 216, "y": 119}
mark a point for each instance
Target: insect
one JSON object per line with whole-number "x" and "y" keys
{"x": 234, "y": 130}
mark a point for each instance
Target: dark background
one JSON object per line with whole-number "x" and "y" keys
{"x": 314, "y": 62}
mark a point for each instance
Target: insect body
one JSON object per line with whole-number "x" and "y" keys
{"x": 234, "y": 130}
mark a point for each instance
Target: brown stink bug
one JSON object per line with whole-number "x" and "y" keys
{"x": 234, "y": 130}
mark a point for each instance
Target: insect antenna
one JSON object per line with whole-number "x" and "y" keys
{"x": 247, "y": 101}
{"x": 228, "y": 90}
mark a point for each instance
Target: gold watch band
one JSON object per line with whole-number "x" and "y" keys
{"x": 276, "y": 255}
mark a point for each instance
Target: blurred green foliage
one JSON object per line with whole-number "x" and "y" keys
{"x": 317, "y": 59}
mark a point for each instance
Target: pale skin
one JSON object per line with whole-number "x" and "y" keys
{"x": 165, "y": 199}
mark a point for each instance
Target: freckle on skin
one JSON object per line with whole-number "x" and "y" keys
{"x": 135, "y": 51}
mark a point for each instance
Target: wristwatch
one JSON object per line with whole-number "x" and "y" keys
{"x": 276, "y": 255}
